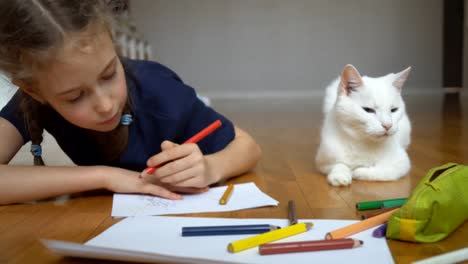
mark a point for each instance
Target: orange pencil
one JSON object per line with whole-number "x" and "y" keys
{"x": 360, "y": 226}
{"x": 226, "y": 195}
{"x": 199, "y": 136}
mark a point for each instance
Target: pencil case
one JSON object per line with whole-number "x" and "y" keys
{"x": 435, "y": 208}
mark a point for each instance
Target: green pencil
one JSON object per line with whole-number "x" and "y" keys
{"x": 369, "y": 205}
{"x": 393, "y": 203}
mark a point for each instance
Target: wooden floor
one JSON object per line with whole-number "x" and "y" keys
{"x": 288, "y": 131}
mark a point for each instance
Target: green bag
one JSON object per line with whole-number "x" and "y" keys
{"x": 436, "y": 207}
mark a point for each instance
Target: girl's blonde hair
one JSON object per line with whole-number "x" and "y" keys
{"x": 31, "y": 31}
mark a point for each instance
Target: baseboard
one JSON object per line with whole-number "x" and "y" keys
{"x": 302, "y": 94}
{"x": 452, "y": 90}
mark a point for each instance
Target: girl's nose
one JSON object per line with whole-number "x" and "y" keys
{"x": 103, "y": 103}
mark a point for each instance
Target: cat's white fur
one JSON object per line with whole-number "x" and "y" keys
{"x": 360, "y": 144}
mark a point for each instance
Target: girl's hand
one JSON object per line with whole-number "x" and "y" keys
{"x": 126, "y": 181}
{"x": 181, "y": 166}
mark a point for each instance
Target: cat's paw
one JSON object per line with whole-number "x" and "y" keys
{"x": 340, "y": 177}
{"x": 377, "y": 173}
{"x": 365, "y": 174}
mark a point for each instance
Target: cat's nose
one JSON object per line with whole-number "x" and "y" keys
{"x": 387, "y": 126}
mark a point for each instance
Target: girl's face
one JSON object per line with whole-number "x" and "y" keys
{"x": 85, "y": 83}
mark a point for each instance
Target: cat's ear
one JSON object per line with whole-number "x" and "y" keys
{"x": 401, "y": 77}
{"x": 350, "y": 79}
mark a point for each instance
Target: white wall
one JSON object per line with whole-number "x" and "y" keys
{"x": 7, "y": 90}
{"x": 293, "y": 47}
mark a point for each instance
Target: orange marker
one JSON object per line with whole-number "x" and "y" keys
{"x": 360, "y": 226}
{"x": 199, "y": 136}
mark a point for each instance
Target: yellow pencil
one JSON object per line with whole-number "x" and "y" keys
{"x": 224, "y": 199}
{"x": 268, "y": 237}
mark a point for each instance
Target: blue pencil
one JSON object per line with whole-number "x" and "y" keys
{"x": 226, "y": 230}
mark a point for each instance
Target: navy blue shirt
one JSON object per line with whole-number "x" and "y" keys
{"x": 163, "y": 107}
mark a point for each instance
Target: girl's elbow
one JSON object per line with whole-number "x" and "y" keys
{"x": 256, "y": 152}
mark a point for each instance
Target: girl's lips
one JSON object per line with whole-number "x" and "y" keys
{"x": 110, "y": 120}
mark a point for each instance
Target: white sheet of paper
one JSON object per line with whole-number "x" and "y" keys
{"x": 162, "y": 235}
{"x": 71, "y": 249}
{"x": 245, "y": 195}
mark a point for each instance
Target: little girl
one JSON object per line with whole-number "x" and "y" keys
{"x": 112, "y": 116}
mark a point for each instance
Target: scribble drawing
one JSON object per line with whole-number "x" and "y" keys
{"x": 151, "y": 201}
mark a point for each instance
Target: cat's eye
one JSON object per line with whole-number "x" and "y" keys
{"x": 369, "y": 110}
{"x": 394, "y": 109}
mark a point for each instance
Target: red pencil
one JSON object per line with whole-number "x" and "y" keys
{"x": 312, "y": 245}
{"x": 199, "y": 136}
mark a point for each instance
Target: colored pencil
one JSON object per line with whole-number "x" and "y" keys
{"x": 226, "y": 230}
{"x": 369, "y": 205}
{"x": 312, "y": 245}
{"x": 377, "y": 212}
{"x": 360, "y": 226}
{"x": 226, "y": 195}
{"x": 267, "y": 237}
{"x": 199, "y": 136}
{"x": 393, "y": 203}
{"x": 380, "y": 231}
{"x": 456, "y": 256}
{"x": 292, "y": 213}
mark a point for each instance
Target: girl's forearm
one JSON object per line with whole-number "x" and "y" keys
{"x": 26, "y": 183}
{"x": 240, "y": 156}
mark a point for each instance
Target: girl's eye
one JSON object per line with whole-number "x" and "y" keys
{"x": 394, "y": 109}
{"x": 76, "y": 99}
{"x": 109, "y": 76}
{"x": 369, "y": 110}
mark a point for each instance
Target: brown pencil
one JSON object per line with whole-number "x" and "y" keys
{"x": 292, "y": 213}
{"x": 360, "y": 226}
{"x": 312, "y": 245}
{"x": 377, "y": 212}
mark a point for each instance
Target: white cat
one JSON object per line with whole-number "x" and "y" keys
{"x": 365, "y": 130}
